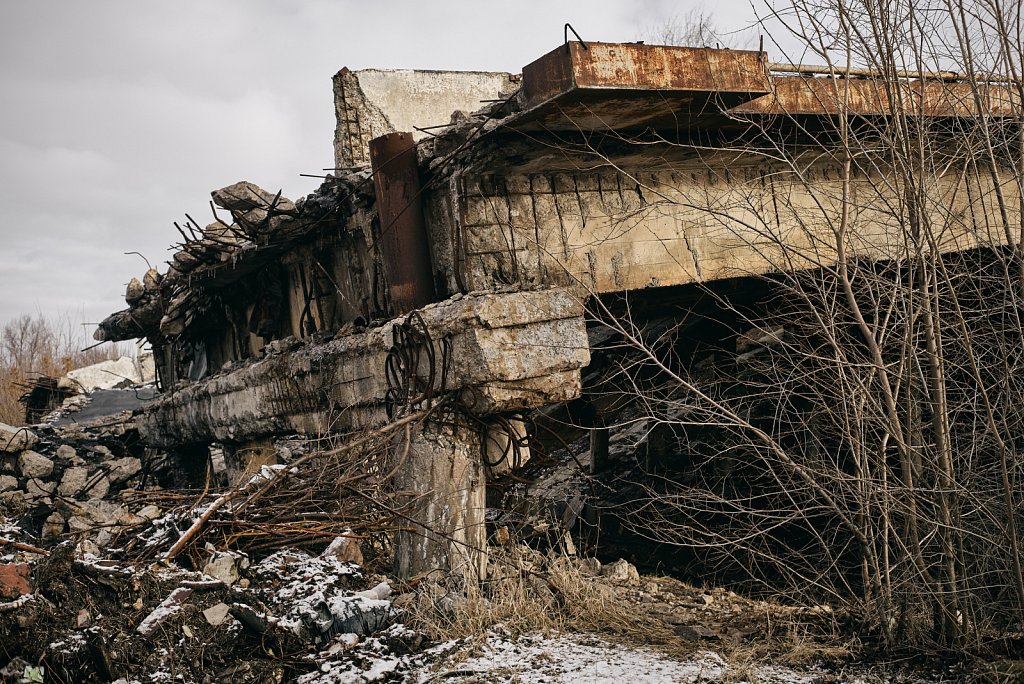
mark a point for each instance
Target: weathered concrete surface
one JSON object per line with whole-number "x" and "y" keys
{"x": 446, "y": 528}
{"x": 693, "y": 220}
{"x": 508, "y": 352}
{"x": 373, "y": 102}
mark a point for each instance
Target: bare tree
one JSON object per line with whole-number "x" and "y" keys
{"x": 697, "y": 27}
{"x": 851, "y": 430}
{"x": 31, "y": 346}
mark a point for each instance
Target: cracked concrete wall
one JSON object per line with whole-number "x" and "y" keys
{"x": 611, "y": 230}
{"x": 373, "y": 102}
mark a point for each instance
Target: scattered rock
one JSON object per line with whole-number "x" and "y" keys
{"x": 78, "y": 481}
{"x": 36, "y": 490}
{"x": 621, "y": 571}
{"x": 345, "y": 549}
{"x": 31, "y": 464}
{"x": 97, "y": 513}
{"x": 149, "y": 512}
{"x": 8, "y": 483}
{"x": 53, "y": 527}
{"x": 15, "y": 439}
{"x": 123, "y": 468}
{"x": 67, "y": 452}
{"x": 14, "y": 501}
{"x": 217, "y": 614}
{"x": 88, "y": 547}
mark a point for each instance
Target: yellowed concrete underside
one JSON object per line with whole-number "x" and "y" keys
{"x": 613, "y": 230}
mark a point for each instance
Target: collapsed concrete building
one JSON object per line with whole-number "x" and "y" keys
{"x": 470, "y": 221}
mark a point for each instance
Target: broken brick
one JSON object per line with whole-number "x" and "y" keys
{"x": 14, "y": 580}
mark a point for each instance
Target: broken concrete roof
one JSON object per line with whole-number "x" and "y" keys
{"x": 370, "y": 103}
{"x": 520, "y": 194}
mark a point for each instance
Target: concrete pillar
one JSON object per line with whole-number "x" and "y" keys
{"x": 443, "y": 478}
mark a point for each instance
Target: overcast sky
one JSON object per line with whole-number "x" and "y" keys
{"x": 119, "y": 116}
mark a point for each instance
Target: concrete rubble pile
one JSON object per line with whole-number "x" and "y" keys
{"x": 76, "y": 487}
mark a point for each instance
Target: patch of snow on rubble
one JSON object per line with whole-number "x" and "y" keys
{"x": 301, "y": 574}
{"x": 312, "y": 600}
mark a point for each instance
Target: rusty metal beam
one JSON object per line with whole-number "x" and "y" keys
{"x": 629, "y": 85}
{"x": 405, "y": 246}
{"x": 801, "y": 95}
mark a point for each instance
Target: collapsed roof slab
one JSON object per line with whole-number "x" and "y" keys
{"x": 506, "y": 352}
{"x": 630, "y": 86}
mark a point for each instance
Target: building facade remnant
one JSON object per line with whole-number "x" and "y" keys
{"x": 476, "y": 238}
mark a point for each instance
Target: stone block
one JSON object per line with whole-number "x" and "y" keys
{"x": 31, "y": 464}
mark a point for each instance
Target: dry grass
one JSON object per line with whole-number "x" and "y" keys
{"x": 531, "y": 592}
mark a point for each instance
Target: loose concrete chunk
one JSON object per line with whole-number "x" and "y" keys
{"x": 105, "y": 375}
{"x": 77, "y": 479}
{"x": 225, "y": 566}
{"x": 244, "y": 196}
{"x": 15, "y": 439}
{"x": 134, "y": 291}
{"x": 88, "y": 515}
{"x": 66, "y": 451}
{"x": 621, "y": 571}
{"x": 53, "y": 527}
{"x": 39, "y": 490}
{"x": 31, "y": 464}
{"x": 346, "y": 550}
{"x": 150, "y": 512}
{"x": 216, "y": 615}
{"x": 123, "y": 468}
{"x": 168, "y": 607}
{"x": 8, "y": 483}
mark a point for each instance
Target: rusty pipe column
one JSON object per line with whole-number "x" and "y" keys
{"x": 405, "y": 247}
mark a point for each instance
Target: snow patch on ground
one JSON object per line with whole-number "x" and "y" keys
{"x": 555, "y": 659}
